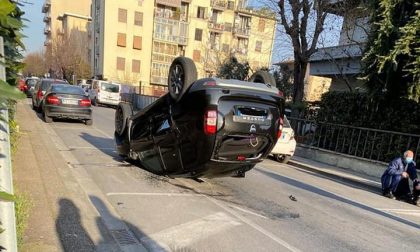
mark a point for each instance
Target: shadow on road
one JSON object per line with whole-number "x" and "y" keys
{"x": 113, "y": 231}
{"x": 105, "y": 145}
{"x": 327, "y": 194}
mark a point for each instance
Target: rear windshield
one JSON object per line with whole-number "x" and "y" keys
{"x": 67, "y": 89}
{"x": 47, "y": 83}
{"x": 31, "y": 82}
{"x": 109, "y": 87}
{"x": 286, "y": 123}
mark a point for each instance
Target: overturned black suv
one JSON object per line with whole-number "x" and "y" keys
{"x": 202, "y": 128}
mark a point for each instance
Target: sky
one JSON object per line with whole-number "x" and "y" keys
{"x": 34, "y": 27}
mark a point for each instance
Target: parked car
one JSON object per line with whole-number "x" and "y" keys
{"x": 286, "y": 144}
{"x": 39, "y": 91}
{"x": 30, "y": 86}
{"x": 105, "y": 93}
{"x": 202, "y": 128}
{"x": 66, "y": 101}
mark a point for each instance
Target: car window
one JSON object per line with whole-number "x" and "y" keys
{"x": 286, "y": 123}
{"x": 109, "y": 87}
{"x": 31, "y": 82}
{"x": 67, "y": 89}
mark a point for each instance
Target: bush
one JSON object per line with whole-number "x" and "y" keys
{"x": 358, "y": 109}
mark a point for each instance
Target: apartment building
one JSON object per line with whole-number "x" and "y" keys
{"x": 135, "y": 41}
{"x": 67, "y": 18}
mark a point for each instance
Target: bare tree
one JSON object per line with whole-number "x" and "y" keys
{"x": 35, "y": 64}
{"x": 294, "y": 17}
{"x": 67, "y": 56}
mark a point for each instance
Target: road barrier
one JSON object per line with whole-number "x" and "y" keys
{"x": 372, "y": 144}
{"x": 7, "y": 209}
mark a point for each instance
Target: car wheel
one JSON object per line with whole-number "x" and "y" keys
{"x": 282, "y": 158}
{"x": 94, "y": 103}
{"x": 33, "y": 106}
{"x": 263, "y": 77}
{"x": 47, "y": 118}
{"x": 39, "y": 108}
{"x": 89, "y": 122}
{"x": 182, "y": 73}
{"x": 123, "y": 112}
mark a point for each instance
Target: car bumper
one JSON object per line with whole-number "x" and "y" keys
{"x": 65, "y": 112}
{"x": 282, "y": 148}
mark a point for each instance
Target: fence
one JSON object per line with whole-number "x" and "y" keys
{"x": 7, "y": 209}
{"x": 373, "y": 144}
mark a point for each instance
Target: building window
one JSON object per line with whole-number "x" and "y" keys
{"x": 122, "y": 15}
{"x": 137, "y": 42}
{"x": 225, "y": 48}
{"x": 135, "y": 66}
{"x": 138, "y": 18}
{"x": 261, "y": 25}
{"x": 231, "y": 5}
{"x": 198, "y": 34}
{"x": 121, "y": 40}
{"x": 121, "y": 63}
{"x": 197, "y": 55}
{"x": 258, "y": 46}
{"x": 201, "y": 12}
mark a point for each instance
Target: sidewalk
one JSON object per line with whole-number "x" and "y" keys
{"x": 62, "y": 217}
{"x": 346, "y": 175}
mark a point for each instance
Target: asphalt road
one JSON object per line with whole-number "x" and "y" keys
{"x": 255, "y": 213}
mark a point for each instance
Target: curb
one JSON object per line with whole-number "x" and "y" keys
{"x": 360, "y": 183}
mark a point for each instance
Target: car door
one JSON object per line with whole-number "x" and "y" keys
{"x": 166, "y": 142}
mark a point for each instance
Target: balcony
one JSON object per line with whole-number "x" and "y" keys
{"x": 217, "y": 27}
{"x": 340, "y": 7}
{"x": 218, "y": 5}
{"x": 47, "y": 18}
{"x": 46, "y": 6}
{"x": 47, "y": 42}
{"x": 178, "y": 34}
{"x": 47, "y": 30}
{"x": 159, "y": 80}
{"x": 172, "y": 3}
{"x": 242, "y": 31}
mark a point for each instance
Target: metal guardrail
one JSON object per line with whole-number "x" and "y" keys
{"x": 373, "y": 144}
{"x": 7, "y": 209}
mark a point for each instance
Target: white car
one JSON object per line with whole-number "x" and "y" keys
{"x": 286, "y": 144}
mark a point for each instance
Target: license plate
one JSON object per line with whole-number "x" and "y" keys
{"x": 69, "y": 102}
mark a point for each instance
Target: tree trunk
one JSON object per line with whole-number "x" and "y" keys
{"x": 299, "y": 81}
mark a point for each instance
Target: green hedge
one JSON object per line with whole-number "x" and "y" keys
{"x": 358, "y": 109}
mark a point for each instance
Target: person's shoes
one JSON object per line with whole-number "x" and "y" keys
{"x": 390, "y": 195}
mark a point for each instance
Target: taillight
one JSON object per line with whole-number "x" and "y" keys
{"x": 281, "y": 122}
{"x": 85, "y": 102}
{"x": 210, "y": 122}
{"x": 39, "y": 95}
{"x": 281, "y": 94}
{"x": 52, "y": 99}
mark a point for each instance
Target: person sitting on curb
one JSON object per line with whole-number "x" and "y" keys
{"x": 395, "y": 182}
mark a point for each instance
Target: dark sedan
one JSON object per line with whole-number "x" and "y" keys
{"x": 66, "y": 101}
{"x": 202, "y": 128}
{"x": 39, "y": 92}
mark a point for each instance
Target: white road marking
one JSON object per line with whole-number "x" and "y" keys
{"x": 411, "y": 212}
{"x": 249, "y": 222}
{"x": 184, "y": 235}
{"x": 155, "y": 194}
{"x": 103, "y": 133}
{"x": 248, "y": 211}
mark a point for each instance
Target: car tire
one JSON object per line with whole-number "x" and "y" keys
{"x": 122, "y": 113}
{"x": 33, "y": 106}
{"x": 182, "y": 74}
{"x": 282, "y": 158}
{"x": 263, "y": 77}
{"x": 94, "y": 103}
{"x": 47, "y": 118}
{"x": 89, "y": 122}
{"x": 39, "y": 108}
